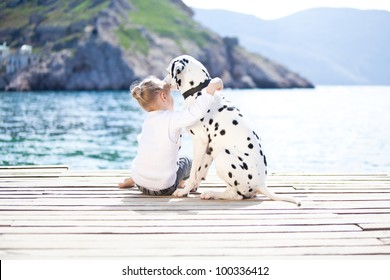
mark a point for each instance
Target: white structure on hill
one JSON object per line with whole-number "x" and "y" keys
{"x": 14, "y": 61}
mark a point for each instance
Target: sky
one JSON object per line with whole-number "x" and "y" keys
{"x": 273, "y": 9}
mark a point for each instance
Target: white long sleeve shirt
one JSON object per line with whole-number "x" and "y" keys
{"x": 155, "y": 164}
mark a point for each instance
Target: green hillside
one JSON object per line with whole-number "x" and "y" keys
{"x": 159, "y": 16}
{"x": 108, "y": 44}
{"x": 55, "y": 13}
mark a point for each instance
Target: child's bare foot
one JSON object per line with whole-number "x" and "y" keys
{"x": 127, "y": 183}
{"x": 182, "y": 184}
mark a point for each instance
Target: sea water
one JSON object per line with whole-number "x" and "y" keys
{"x": 326, "y": 129}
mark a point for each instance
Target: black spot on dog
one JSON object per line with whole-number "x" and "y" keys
{"x": 250, "y": 146}
{"x": 222, "y": 108}
{"x": 208, "y": 111}
{"x": 236, "y": 183}
{"x": 209, "y": 151}
{"x": 261, "y": 153}
{"x": 250, "y": 177}
{"x": 239, "y": 193}
{"x": 206, "y": 165}
{"x": 265, "y": 161}
{"x": 240, "y": 158}
{"x": 202, "y": 119}
{"x": 230, "y": 175}
{"x": 179, "y": 82}
{"x": 223, "y": 132}
{"x": 216, "y": 126}
{"x": 240, "y": 115}
{"x": 192, "y": 132}
{"x": 249, "y": 139}
{"x": 254, "y": 133}
{"x": 227, "y": 151}
{"x": 233, "y": 166}
{"x": 210, "y": 121}
{"x": 200, "y": 167}
{"x": 192, "y": 83}
{"x": 231, "y": 108}
{"x": 244, "y": 166}
{"x": 186, "y": 60}
{"x": 235, "y": 122}
{"x": 246, "y": 154}
{"x": 250, "y": 190}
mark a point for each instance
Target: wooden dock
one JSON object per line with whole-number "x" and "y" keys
{"x": 51, "y": 212}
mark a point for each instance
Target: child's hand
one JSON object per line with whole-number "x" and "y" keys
{"x": 215, "y": 84}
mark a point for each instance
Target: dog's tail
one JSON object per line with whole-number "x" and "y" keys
{"x": 265, "y": 191}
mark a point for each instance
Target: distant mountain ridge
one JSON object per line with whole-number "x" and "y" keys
{"x": 327, "y": 45}
{"x": 108, "y": 44}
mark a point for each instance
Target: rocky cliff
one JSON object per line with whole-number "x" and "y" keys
{"x": 107, "y": 44}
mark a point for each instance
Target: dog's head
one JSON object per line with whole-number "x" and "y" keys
{"x": 187, "y": 74}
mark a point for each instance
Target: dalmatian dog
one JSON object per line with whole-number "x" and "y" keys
{"x": 222, "y": 136}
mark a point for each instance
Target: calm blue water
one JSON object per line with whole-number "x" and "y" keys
{"x": 327, "y": 129}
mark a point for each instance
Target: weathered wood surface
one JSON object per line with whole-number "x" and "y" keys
{"x": 50, "y": 212}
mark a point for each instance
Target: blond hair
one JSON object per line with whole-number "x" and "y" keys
{"x": 146, "y": 91}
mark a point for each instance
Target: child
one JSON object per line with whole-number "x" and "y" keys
{"x": 157, "y": 168}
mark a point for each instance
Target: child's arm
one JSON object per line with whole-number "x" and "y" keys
{"x": 198, "y": 109}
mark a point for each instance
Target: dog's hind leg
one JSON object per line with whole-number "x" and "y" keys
{"x": 225, "y": 172}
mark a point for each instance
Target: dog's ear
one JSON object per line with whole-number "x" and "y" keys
{"x": 177, "y": 68}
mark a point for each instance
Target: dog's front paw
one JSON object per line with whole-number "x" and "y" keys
{"x": 206, "y": 196}
{"x": 180, "y": 193}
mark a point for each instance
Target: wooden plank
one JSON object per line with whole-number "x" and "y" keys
{"x": 191, "y": 253}
{"x": 375, "y": 226}
{"x": 385, "y": 240}
{"x": 237, "y": 220}
{"x": 194, "y": 203}
{"x": 82, "y": 214}
{"x": 115, "y": 207}
{"x": 47, "y": 216}
{"x": 111, "y": 193}
{"x": 186, "y": 223}
{"x": 157, "y": 243}
{"x": 199, "y": 237}
{"x": 32, "y": 167}
{"x": 178, "y": 229}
